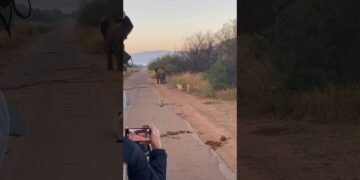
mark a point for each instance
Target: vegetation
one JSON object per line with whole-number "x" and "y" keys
{"x": 197, "y": 82}
{"x": 207, "y": 62}
{"x": 317, "y": 49}
{"x": 302, "y": 61}
{"x": 222, "y": 74}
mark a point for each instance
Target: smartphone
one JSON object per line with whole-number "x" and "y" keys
{"x": 138, "y": 134}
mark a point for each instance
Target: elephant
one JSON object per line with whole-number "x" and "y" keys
{"x": 115, "y": 32}
{"x": 160, "y": 75}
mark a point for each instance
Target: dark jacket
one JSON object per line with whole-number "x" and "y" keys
{"x": 138, "y": 166}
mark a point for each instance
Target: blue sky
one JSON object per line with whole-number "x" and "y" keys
{"x": 164, "y": 24}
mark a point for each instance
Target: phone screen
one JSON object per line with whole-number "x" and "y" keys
{"x": 138, "y": 134}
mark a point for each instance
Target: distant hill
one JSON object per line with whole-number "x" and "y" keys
{"x": 144, "y": 58}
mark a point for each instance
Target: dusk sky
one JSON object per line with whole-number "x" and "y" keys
{"x": 164, "y": 24}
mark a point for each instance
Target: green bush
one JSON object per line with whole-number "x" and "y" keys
{"x": 222, "y": 74}
{"x": 170, "y": 69}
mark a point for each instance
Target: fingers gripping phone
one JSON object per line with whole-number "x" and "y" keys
{"x": 140, "y": 135}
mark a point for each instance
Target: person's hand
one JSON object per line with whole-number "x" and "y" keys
{"x": 155, "y": 137}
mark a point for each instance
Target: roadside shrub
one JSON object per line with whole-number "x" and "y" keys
{"x": 222, "y": 74}
{"x": 170, "y": 69}
{"x": 198, "y": 84}
{"x": 168, "y": 61}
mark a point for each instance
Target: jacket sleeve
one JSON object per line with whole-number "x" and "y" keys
{"x": 158, "y": 162}
{"x": 138, "y": 166}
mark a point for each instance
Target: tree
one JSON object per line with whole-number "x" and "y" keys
{"x": 315, "y": 43}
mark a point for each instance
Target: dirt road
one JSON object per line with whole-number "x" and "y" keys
{"x": 68, "y": 101}
{"x": 188, "y": 157}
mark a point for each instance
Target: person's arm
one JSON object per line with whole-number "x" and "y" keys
{"x": 158, "y": 155}
{"x": 139, "y": 168}
{"x": 157, "y": 161}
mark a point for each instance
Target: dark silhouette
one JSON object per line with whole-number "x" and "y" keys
{"x": 115, "y": 31}
{"x": 160, "y": 75}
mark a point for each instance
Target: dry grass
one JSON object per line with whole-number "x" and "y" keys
{"x": 21, "y": 31}
{"x": 90, "y": 39}
{"x": 201, "y": 86}
{"x": 151, "y": 74}
{"x": 335, "y": 105}
{"x": 198, "y": 84}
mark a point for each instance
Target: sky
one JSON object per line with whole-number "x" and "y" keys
{"x": 164, "y": 24}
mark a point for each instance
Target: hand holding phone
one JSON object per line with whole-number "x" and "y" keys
{"x": 155, "y": 136}
{"x": 141, "y": 135}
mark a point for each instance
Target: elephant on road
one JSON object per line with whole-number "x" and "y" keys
{"x": 160, "y": 75}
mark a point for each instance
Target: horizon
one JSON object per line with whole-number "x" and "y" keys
{"x": 150, "y": 51}
{"x": 146, "y": 57}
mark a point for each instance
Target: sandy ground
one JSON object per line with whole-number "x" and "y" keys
{"x": 188, "y": 156}
{"x": 280, "y": 149}
{"x": 212, "y": 119}
{"x": 269, "y": 148}
{"x": 68, "y": 101}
